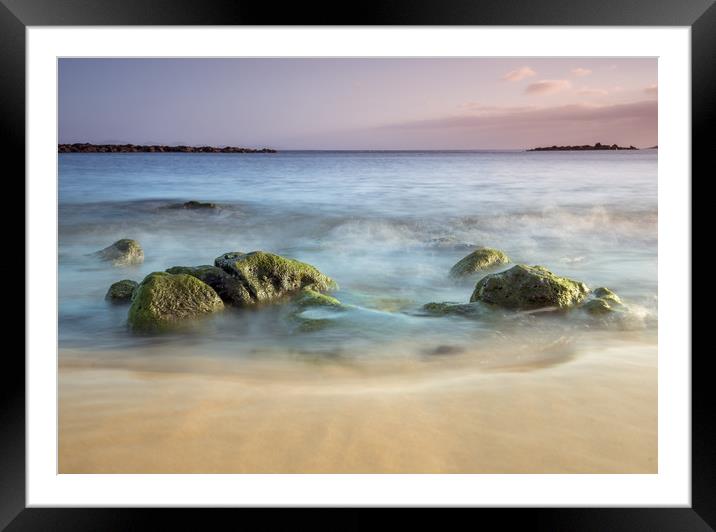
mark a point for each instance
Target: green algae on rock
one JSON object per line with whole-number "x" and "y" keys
{"x": 308, "y": 297}
{"x": 123, "y": 252}
{"x": 230, "y": 289}
{"x": 597, "y": 306}
{"x": 268, "y": 277}
{"x": 121, "y": 291}
{"x": 527, "y": 288}
{"x": 478, "y": 260}
{"x": 165, "y": 301}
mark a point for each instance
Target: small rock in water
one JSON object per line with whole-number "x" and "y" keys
{"x": 603, "y": 301}
{"x": 121, "y": 291}
{"x": 123, "y": 252}
{"x": 527, "y": 288}
{"x": 604, "y": 293}
{"x": 478, "y": 260}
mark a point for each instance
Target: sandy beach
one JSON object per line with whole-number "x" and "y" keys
{"x": 592, "y": 412}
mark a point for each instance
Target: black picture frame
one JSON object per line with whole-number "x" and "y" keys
{"x": 16, "y": 15}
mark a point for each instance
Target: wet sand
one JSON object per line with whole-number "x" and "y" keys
{"x": 594, "y": 412}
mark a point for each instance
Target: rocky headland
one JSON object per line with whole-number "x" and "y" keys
{"x": 86, "y": 147}
{"x": 584, "y": 147}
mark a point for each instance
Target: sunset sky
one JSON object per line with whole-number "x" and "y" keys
{"x": 363, "y": 103}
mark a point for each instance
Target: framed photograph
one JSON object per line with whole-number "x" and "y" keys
{"x": 425, "y": 257}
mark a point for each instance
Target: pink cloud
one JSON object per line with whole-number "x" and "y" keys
{"x": 652, "y": 89}
{"x": 519, "y": 74}
{"x": 586, "y": 91}
{"x": 628, "y": 123}
{"x": 581, "y": 72}
{"x": 548, "y": 86}
{"x": 527, "y": 116}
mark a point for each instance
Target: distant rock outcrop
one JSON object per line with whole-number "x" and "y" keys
{"x": 584, "y": 147}
{"x": 86, "y": 147}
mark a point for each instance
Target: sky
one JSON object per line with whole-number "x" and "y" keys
{"x": 360, "y": 103}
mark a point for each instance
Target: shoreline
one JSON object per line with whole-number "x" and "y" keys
{"x": 435, "y": 416}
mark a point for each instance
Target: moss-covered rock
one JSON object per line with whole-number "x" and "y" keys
{"x": 165, "y": 301}
{"x": 268, "y": 277}
{"x": 603, "y": 301}
{"x": 527, "y": 288}
{"x": 477, "y": 261}
{"x": 121, "y": 291}
{"x": 122, "y": 253}
{"x": 606, "y": 294}
{"x": 230, "y": 289}
{"x": 227, "y": 260}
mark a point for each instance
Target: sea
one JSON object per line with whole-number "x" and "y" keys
{"x": 387, "y": 226}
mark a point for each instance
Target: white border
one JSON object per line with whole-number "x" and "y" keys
{"x": 671, "y": 486}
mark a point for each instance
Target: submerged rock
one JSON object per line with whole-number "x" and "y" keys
{"x": 198, "y": 205}
{"x": 193, "y": 204}
{"x": 122, "y": 253}
{"x": 313, "y": 310}
{"x": 478, "y": 260}
{"x": 529, "y": 287}
{"x": 470, "y": 310}
{"x": 449, "y": 242}
{"x": 121, "y": 291}
{"x": 230, "y": 289}
{"x": 268, "y": 277}
{"x": 443, "y": 350}
{"x": 165, "y": 301}
{"x": 597, "y": 306}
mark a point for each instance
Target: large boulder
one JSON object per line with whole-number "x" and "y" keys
{"x": 164, "y": 301}
{"x": 268, "y": 277}
{"x": 121, "y": 291}
{"x": 122, "y": 253}
{"x": 230, "y": 289}
{"x": 527, "y": 288}
{"x": 478, "y": 260}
